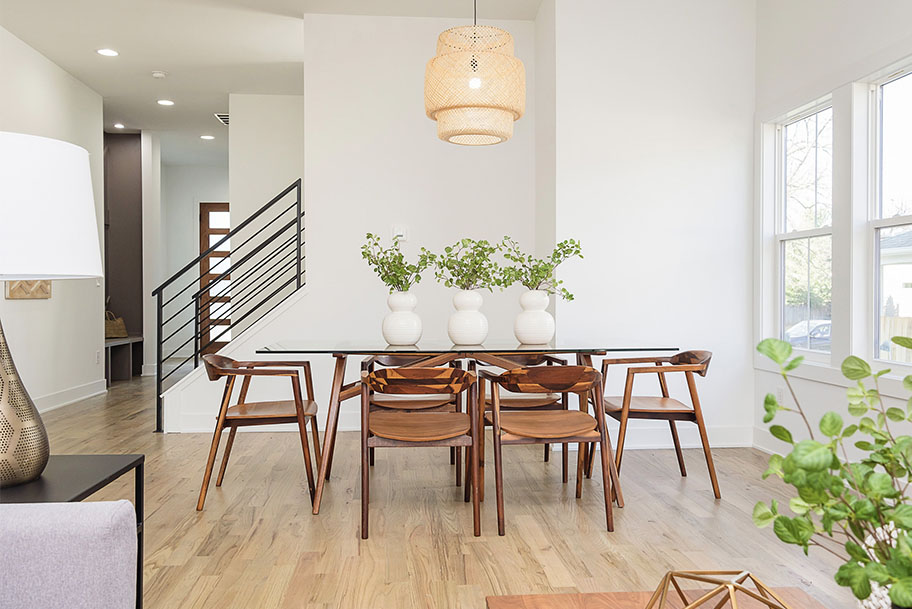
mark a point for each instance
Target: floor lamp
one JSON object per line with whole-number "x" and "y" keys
{"x": 48, "y": 230}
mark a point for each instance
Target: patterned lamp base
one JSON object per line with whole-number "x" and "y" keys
{"x": 24, "y": 448}
{"x": 728, "y": 587}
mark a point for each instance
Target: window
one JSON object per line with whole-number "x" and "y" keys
{"x": 893, "y": 220}
{"x": 805, "y": 231}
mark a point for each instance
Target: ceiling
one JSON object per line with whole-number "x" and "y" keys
{"x": 208, "y": 48}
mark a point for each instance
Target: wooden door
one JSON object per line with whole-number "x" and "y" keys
{"x": 215, "y": 302}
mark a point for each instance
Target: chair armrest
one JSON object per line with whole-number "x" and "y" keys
{"x": 274, "y": 364}
{"x": 259, "y": 372}
{"x": 484, "y": 374}
{"x": 635, "y": 360}
{"x": 662, "y": 369}
{"x": 555, "y": 360}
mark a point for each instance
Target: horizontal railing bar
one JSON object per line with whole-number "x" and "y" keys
{"x": 243, "y": 290}
{"x": 247, "y": 314}
{"x": 238, "y": 304}
{"x": 293, "y": 186}
{"x": 239, "y": 285}
{"x": 248, "y": 257}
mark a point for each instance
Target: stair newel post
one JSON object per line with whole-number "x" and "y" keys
{"x": 196, "y": 330}
{"x": 298, "y": 211}
{"x": 159, "y": 423}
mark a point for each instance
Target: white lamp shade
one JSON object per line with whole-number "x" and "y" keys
{"x": 48, "y": 228}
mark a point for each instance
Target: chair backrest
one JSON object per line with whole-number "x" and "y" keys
{"x": 396, "y": 360}
{"x": 217, "y": 365}
{"x": 526, "y": 359}
{"x": 548, "y": 379}
{"x": 418, "y": 381}
{"x": 693, "y": 358}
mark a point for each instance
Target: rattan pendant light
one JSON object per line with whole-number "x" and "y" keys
{"x": 475, "y": 88}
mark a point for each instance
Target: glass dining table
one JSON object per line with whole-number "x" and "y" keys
{"x": 426, "y": 353}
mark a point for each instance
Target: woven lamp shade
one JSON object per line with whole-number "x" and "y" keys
{"x": 475, "y": 87}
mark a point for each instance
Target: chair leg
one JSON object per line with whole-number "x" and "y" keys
{"x": 216, "y": 437}
{"x": 458, "y": 462}
{"x": 565, "y": 458}
{"x": 547, "y": 452}
{"x": 709, "y": 459}
{"x": 472, "y": 456}
{"x": 677, "y": 445}
{"x": 371, "y": 453}
{"x": 316, "y": 439}
{"x": 482, "y": 438}
{"x": 606, "y": 479}
{"x": 498, "y": 478}
{"x": 468, "y": 475}
{"x": 365, "y": 484}
{"x": 453, "y": 456}
{"x": 590, "y": 459}
{"x": 580, "y": 462}
{"x": 622, "y": 435}
{"x": 305, "y": 448}
{"x": 221, "y": 474}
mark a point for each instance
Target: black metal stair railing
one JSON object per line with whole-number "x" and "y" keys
{"x": 199, "y": 308}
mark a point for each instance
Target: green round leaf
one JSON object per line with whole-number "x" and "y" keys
{"x": 762, "y": 516}
{"x": 831, "y": 424}
{"x": 854, "y": 368}
{"x": 853, "y": 575}
{"x": 775, "y": 349}
{"x": 901, "y": 592}
{"x": 812, "y": 455}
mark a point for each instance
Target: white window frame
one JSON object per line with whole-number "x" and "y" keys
{"x": 781, "y": 236}
{"x": 875, "y": 222}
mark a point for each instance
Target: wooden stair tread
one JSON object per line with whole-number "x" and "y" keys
{"x": 547, "y": 423}
{"x": 419, "y": 426}
{"x": 410, "y": 403}
{"x": 270, "y": 410}
{"x": 647, "y": 404}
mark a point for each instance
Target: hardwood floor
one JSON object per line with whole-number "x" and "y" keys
{"x": 258, "y": 545}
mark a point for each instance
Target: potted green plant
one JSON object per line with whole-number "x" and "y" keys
{"x": 857, "y": 509}
{"x": 401, "y": 326}
{"x": 535, "y": 325}
{"x": 467, "y": 265}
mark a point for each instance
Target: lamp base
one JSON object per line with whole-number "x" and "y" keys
{"x": 24, "y": 448}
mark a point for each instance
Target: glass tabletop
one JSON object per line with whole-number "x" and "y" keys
{"x": 372, "y": 347}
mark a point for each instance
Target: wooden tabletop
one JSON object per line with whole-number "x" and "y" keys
{"x": 795, "y": 598}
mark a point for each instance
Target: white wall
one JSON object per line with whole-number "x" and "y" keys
{"x": 545, "y": 93}
{"x": 371, "y": 159}
{"x": 153, "y": 256}
{"x": 55, "y": 341}
{"x": 654, "y": 173}
{"x": 805, "y": 51}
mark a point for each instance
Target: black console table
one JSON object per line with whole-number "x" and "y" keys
{"x": 75, "y": 477}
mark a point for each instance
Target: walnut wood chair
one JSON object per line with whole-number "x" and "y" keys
{"x": 426, "y": 403}
{"x": 419, "y": 428}
{"x": 626, "y": 407}
{"x": 553, "y": 426}
{"x": 243, "y": 414}
{"x": 511, "y": 402}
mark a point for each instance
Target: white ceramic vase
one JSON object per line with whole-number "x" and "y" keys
{"x": 402, "y": 326}
{"x": 468, "y": 325}
{"x": 534, "y": 326}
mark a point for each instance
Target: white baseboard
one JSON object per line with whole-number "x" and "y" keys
{"x": 55, "y": 400}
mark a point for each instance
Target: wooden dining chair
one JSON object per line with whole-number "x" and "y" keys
{"x": 553, "y": 426}
{"x": 426, "y": 403}
{"x": 419, "y": 428}
{"x": 243, "y": 413}
{"x": 626, "y": 407}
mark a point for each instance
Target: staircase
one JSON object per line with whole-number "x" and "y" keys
{"x": 199, "y": 309}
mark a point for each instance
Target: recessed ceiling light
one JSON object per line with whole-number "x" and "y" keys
{"x": 107, "y": 52}
{"x": 159, "y": 74}
{"x": 207, "y": 137}
{"x": 118, "y": 125}
{"x": 165, "y": 102}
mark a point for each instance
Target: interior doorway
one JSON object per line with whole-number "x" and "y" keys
{"x": 215, "y": 281}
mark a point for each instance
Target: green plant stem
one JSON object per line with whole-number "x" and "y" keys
{"x": 798, "y": 405}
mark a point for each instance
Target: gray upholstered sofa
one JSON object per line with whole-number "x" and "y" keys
{"x": 68, "y": 555}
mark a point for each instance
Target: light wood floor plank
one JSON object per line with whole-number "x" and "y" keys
{"x": 257, "y": 544}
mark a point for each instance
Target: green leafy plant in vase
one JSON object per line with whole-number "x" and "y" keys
{"x": 468, "y": 266}
{"x": 535, "y": 325}
{"x": 857, "y": 509}
{"x": 401, "y": 326}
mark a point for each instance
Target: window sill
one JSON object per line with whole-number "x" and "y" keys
{"x": 823, "y": 372}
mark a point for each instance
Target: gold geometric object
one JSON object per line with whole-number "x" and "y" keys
{"x": 28, "y": 290}
{"x": 24, "y": 448}
{"x": 725, "y": 590}
{"x": 475, "y": 88}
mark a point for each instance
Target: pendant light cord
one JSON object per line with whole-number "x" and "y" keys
{"x": 476, "y": 11}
